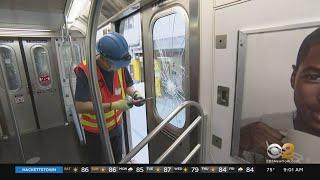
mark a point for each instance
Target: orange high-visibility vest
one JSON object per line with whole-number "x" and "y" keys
{"x": 113, "y": 117}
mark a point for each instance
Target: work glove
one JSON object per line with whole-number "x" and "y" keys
{"x": 121, "y": 105}
{"x": 138, "y": 100}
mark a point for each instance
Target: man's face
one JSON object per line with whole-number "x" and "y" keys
{"x": 306, "y": 84}
{"x": 103, "y": 63}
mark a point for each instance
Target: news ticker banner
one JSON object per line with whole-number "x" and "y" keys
{"x": 175, "y": 169}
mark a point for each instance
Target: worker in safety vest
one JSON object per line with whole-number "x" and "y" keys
{"x": 115, "y": 84}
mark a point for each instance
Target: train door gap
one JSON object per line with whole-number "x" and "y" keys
{"x": 126, "y": 135}
{"x": 24, "y": 59}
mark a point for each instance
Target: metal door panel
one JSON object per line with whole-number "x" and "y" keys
{"x": 9, "y": 141}
{"x": 16, "y": 116}
{"x": 44, "y": 77}
{"x": 149, "y": 17}
{"x": 19, "y": 97}
{"x": 6, "y": 119}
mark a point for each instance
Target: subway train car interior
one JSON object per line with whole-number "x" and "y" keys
{"x": 159, "y": 81}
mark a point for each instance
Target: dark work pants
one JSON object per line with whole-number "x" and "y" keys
{"x": 94, "y": 148}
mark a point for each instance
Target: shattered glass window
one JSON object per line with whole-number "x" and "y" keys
{"x": 169, "y": 65}
{"x": 9, "y": 62}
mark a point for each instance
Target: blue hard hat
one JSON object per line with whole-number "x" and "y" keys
{"x": 114, "y": 48}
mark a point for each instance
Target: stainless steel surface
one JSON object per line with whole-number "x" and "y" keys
{"x": 191, "y": 154}
{"x": 221, "y": 41}
{"x": 112, "y": 7}
{"x": 34, "y": 5}
{"x": 203, "y": 139}
{"x": 10, "y": 32}
{"x": 154, "y": 132}
{"x": 1, "y": 131}
{"x": 111, "y": 13}
{"x": 16, "y": 128}
{"x": 64, "y": 59}
{"x": 194, "y": 50}
{"x": 179, "y": 140}
{"x": 44, "y": 14}
{"x": 48, "y": 98}
{"x": 75, "y": 115}
{"x": 93, "y": 81}
{"x": 23, "y": 110}
{"x": 192, "y": 61}
{"x": 223, "y": 96}
{"x": 67, "y": 6}
{"x": 194, "y": 69}
{"x": 58, "y": 80}
{"x": 216, "y": 141}
{"x": 13, "y": 116}
{"x": 242, "y": 45}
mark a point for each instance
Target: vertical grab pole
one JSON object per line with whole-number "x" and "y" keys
{"x": 93, "y": 80}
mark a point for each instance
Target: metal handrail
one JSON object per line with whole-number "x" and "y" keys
{"x": 179, "y": 140}
{"x": 93, "y": 81}
{"x": 191, "y": 154}
{"x": 156, "y": 130}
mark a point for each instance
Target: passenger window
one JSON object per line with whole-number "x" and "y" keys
{"x": 169, "y": 34}
{"x": 67, "y": 58}
{"x": 42, "y": 65}
{"x": 77, "y": 54}
{"x": 10, "y": 66}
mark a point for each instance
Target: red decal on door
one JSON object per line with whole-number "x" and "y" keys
{"x": 44, "y": 80}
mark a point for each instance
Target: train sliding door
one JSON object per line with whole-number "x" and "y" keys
{"x": 17, "y": 115}
{"x": 43, "y": 71}
{"x": 33, "y": 119}
{"x": 171, "y": 70}
{"x": 15, "y": 80}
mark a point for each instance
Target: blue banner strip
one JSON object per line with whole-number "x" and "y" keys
{"x": 38, "y": 169}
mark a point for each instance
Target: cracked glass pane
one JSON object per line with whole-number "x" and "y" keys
{"x": 169, "y": 65}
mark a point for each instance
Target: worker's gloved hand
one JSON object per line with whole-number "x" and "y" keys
{"x": 121, "y": 105}
{"x": 138, "y": 100}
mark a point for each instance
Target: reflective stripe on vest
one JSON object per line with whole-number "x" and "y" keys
{"x": 95, "y": 125}
{"x": 112, "y": 117}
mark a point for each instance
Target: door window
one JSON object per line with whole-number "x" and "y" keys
{"x": 169, "y": 35}
{"x": 10, "y": 67}
{"x": 42, "y": 66}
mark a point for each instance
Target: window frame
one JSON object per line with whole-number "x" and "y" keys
{"x": 175, "y": 9}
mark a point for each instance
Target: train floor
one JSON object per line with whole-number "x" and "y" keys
{"x": 51, "y": 146}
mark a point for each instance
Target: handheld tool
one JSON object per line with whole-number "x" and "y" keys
{"x": 136, "y": 102}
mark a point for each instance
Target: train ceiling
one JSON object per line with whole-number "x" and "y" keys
{"x": 111, "y": 7}
{"x": 35, "y": 14}
{"x": 49, "y": 14}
